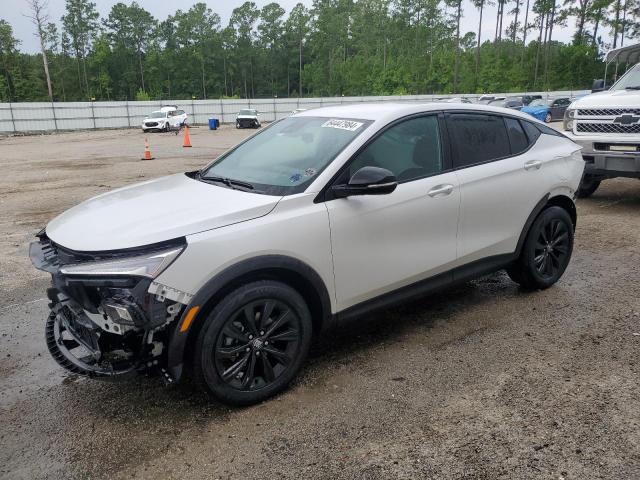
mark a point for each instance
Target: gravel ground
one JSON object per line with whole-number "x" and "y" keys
{"x": 483, "y": 381}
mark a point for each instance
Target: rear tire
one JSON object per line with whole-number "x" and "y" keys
{"x": 253, "y": 343}
{"x": 546, "y": 251}
{"x": 587, "y": 187}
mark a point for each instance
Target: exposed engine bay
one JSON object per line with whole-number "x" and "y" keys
{"x": 106, "y": 324}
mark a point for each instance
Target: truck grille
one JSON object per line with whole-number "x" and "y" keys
{"x": 603, "y": 112}
{"x": 151, "y": 124}
{"x": 607, "y": 128}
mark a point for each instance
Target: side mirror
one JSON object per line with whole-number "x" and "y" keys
{"x": 367, "y": 181}
{"x": 597, "y": 86}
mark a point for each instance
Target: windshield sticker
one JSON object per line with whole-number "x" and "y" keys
{"x": 309, "y": 172}
{"x": 349, "y": 125}
{"x": 295, "y": 177}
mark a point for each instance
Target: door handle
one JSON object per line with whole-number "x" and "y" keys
{"x": 441, "y": 190}
{"x": 531, "y": 164}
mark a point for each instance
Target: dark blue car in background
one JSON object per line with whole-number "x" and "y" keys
{"x": 548, "y": 110}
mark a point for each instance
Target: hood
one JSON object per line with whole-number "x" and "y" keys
{"x": 152, "y": 212}
{"x": 617, "y": 98}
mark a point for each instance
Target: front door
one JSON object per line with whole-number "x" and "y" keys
{"x": 381, "y": 243}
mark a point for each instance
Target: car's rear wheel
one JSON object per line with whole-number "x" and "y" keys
{"x": 253, "y": 343}
{"x": 546, "y": 251}
{"x": 547, "y": 118}
{"x": 588, "y": 186}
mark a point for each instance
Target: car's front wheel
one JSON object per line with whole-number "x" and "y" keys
{"x": 547, "y": 118}
{"x": 546, "y": 252}
{"x": 253, "y": 343}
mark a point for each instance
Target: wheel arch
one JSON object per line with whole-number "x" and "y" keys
{"x": 288, "y": 270}
{"x": 560, "y": 200}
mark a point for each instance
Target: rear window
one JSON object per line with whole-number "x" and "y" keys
{"x": 477, "y": 138}
{"x": 517, "y": 137}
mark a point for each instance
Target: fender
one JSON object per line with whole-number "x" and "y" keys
{"x": 527, "y": 225}
{"x": 266, "y": 266}
{"x": 557, "y": 200}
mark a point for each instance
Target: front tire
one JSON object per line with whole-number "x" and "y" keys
{"x": 253, "y": 343}
{"x": 546, "y": 251}
{"x": 547, "y": 118}
{"x": 587, "y": 187}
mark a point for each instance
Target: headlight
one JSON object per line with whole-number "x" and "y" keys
{"x": 569, "y": 115}
{"x": 149, "y": 265}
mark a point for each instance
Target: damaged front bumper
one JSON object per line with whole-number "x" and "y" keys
{"x": 106, "y": 319}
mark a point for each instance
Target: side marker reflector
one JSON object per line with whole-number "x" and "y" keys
{"x": 186, "y": 323}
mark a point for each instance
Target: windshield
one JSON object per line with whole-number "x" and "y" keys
{"x": 285, "y": 157}
{"x": 248, "y": 112}
{"x": 498, "y": 103}
{"x": 630, "y": 80}
{"x": 157, "y": 115}
{"x": 540, "y": 103}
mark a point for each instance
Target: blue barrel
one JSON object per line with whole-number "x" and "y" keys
{"x": 213, "y": 123}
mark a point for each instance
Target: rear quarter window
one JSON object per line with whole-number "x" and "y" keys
{"x": 517, "y": 137}
{"x": 533, "y": 133}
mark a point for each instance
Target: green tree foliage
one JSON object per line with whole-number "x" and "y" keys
{"x": 332, "y": 48}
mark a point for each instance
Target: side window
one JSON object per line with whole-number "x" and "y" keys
{"x": 517, "y": 137}
{"x": 180, "y": 112}
{"x": 172, "y": 113}
{"x": 532, "y": 131}
{"x": 409, "y": 150}
{"x": 477, "y": 138}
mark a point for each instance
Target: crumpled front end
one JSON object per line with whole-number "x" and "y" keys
{"x": 103, "y": 321}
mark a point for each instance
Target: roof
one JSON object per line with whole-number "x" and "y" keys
{"x": 388, "y": 111}
{"x": 627, "y": 54}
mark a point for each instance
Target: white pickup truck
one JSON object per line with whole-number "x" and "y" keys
{"x": 607, "y": 124}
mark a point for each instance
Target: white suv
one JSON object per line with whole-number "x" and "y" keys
{"x": 324, "y": 215}
{"x": 165, "y": 119}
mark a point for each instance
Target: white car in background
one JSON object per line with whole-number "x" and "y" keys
{"x": 248, "y": 118}
{"x": 166, "y": 119}
{"x": 326, "y": 215}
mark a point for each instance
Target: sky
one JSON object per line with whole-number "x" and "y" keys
{"x": 14, "y": 10}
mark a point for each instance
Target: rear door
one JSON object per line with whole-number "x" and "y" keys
{"x": 501, "y": 180}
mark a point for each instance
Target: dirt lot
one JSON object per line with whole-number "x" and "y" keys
{"x": 484, "y": 381}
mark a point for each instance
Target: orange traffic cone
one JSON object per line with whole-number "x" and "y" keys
{"x": 147, "y": 151}
{"x": 187, "y": 140}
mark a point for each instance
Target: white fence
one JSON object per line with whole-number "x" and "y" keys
{"x": 56, "y": 116}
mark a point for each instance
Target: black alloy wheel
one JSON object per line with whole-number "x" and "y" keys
{"x": 551, "y": 248}
{"x": 253, "y": 343}
{"x": 546, "y": 251}
{"x": 257, "y": 344}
